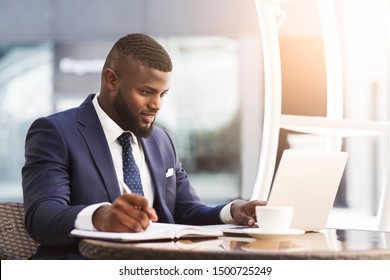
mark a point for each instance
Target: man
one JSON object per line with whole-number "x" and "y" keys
{"x": 75, "y": 177}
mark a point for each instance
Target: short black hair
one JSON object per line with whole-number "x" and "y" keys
{"x": 142, "y": 49}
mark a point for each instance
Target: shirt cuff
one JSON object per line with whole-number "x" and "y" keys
{"x": 84, "y": 218}
{"x": 225, "y": 214}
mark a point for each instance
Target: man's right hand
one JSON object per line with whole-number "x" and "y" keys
{"x": 128, "y": 213}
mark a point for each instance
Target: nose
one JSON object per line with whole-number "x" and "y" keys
{"x": 155, "y": 102}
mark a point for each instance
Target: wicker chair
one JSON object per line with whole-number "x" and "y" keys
{"x": 15, "y": 243}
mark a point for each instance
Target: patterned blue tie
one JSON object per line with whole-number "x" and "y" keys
{"x": 131, "y": 174}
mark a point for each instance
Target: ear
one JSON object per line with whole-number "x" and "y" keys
{"x": 110, "y": 79}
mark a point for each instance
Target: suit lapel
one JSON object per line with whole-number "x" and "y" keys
{"x": 156, "y": 168}
{"x": 92, "y": 132}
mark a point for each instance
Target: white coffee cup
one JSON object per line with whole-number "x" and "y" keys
{"x": 274, "y": 218}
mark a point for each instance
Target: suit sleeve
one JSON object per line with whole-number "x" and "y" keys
{"x": 45, "y": 177}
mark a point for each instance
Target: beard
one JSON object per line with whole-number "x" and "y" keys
{"x": 128, "y": 121}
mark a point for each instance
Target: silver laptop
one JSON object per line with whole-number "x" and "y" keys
{"x": 308, "y": 181}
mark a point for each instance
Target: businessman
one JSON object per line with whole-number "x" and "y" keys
{"x": 105, "y": 166}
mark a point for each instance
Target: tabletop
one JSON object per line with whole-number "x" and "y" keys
{"x": 326, "y": 244}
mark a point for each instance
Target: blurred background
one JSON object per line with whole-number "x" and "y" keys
{"x": 52, "y": 51}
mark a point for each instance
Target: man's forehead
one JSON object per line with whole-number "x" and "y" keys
{"x": 147, "y": 76}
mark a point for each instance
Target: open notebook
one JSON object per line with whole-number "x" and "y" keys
{"x": 155, "y": 231}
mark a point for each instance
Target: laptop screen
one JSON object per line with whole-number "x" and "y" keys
{"x": 308, "y": 181}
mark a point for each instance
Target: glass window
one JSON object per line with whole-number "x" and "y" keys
{"x": 25, "y": 93}
{"x": 364, "y": 46}
{"x": 202, "y": 113}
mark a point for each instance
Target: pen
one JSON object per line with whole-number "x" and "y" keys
{"x": 127, "y": 190}
{"x": 125, "y": 187}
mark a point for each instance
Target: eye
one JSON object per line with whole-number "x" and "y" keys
{"x": 163, "y": 93}
{"x": 146, "y": 92}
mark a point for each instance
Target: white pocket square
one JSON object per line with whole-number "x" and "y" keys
{"x": 169, "y": 173}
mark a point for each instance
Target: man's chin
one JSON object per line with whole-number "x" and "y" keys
{"x": 144, "y": 131}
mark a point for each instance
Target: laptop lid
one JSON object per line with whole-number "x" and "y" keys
{"x": 308, "y": 181}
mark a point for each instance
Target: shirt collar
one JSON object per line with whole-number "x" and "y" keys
{"x": 110, "y": 128}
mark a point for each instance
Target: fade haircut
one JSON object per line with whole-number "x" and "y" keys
{"x": 139, "y": 48}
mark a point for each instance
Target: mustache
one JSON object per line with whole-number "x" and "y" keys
{"x": 150, "y": 111}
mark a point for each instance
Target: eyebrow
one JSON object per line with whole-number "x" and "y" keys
{"x": 152, "y": 89}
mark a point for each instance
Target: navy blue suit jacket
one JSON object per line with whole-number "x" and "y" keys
{"x": 69, "y": 166}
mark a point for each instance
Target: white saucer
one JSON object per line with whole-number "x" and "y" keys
{"x": 267, "y": 234}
